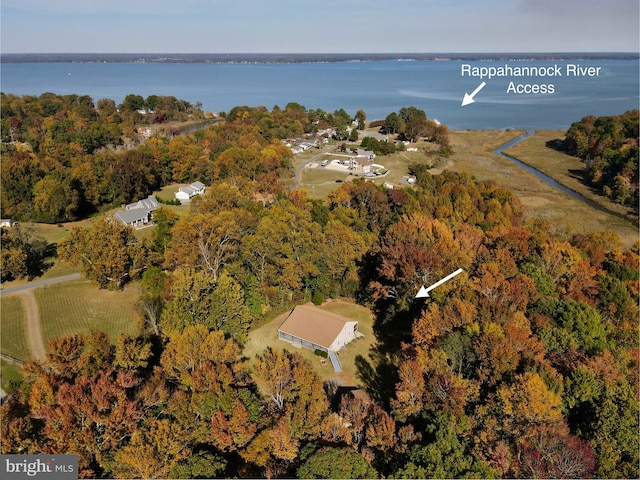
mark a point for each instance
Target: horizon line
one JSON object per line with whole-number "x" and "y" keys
{"x": 496, "y": 52}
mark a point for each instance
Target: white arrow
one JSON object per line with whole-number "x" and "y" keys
{"x": 424, "y": 292}
{"x": 468, "y": 99}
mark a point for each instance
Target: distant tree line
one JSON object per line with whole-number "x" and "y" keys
{"x": 608, "y": 145}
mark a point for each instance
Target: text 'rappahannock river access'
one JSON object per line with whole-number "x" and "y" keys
{"x": 506, "y": 70}
{"x": 533, "y": 72}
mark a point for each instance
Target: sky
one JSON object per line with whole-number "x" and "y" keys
{"x": 318, "y": 26}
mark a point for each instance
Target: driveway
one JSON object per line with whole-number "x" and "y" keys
{"x": 39, "y": 283}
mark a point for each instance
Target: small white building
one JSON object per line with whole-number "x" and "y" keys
{"x": 184, "y": 194}
{"x": 6, "y": 222}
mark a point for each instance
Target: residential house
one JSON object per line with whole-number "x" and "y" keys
{"x": 136, "y": 217}
{"x": 150, "y": 203}
{"x": 184, "y": 194}
{"x": 6, "y": 222}
{"x": 360, "y": 164}
{"x": 138, "y": 213}
{"x": 316, "y": 329}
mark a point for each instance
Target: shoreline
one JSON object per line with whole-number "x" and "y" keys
{"x": 330, "y": 57}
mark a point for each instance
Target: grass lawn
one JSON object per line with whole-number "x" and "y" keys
{"x": 10, "y": 375}
{"x": 13, "y": 338}
{"x": 267, "y": 336}
{"x": 80, "y": 307}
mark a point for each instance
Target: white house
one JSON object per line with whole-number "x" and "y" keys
{"x": 360, "y": 164}
{"x": 136, "y": 217}
{"x": 150, "y": 203}
{"x": 366, "y": 153}
{"x": 6, "y": 222}
{"x": 138, "y": 213}
{"x": 184, "y": 194}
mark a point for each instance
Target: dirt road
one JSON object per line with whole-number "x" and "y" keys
{"x": 34, "y": 333}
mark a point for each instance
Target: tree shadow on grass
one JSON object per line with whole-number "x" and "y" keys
{"x": 379, "y": 372}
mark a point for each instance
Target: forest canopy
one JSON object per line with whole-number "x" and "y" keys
{"x": 608, "y": 146}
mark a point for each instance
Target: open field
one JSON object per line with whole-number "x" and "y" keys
{"x": 13, "y": 336}
{"x": 80, "y": 307}
{"x": 267, "y": 336}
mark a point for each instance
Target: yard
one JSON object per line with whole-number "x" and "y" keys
{"x": 267, "y": 336}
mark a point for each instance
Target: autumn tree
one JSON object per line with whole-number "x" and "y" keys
{"x": 282, "y": 253}
{"x": 205, "y": 241}
{"x": 23, "y": 252}
{"x": 109, "y": 254}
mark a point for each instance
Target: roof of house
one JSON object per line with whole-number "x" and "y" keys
{"x": 197, "y": 185}
{"x": 314, "y": 325}
{"x": 149, "y": 203}
{"x": 131, "y": 216}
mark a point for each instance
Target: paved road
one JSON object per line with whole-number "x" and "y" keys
{"x": 39, "y": 283}
{"x": 296, "y": 178}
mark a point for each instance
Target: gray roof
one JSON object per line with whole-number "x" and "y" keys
{"x": 149, "y": 203}
{"x": 197, "y": 185}
{"x": 132, "y": 216}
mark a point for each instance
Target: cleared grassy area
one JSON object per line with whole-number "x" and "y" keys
{"x": 267, "y": 336}
{"x": 80, "y": 307}
{"x": 10, "y": 376}
{"x": 13, "y": 337}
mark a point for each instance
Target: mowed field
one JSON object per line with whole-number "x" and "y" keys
{"x": 267, "y": 336}
{"x": 80, "y": 307}
{"x": 13, "y": 333}
{"x": 65, "y": 309}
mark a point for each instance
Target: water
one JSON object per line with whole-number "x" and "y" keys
{"x": 378, "y": 87}
{"x": 499, "y": 151}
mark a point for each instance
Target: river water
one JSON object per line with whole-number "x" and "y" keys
{"x": 378, "y": 87}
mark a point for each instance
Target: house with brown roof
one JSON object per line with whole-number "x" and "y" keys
{"x": 316, "y": 329}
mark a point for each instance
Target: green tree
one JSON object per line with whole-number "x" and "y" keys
{"x": 54, "y": 200}
{"x": 164, "y": 220}
{"x": 446, "y": 456}
{"x": 331, "y": 462}
{"x": 394, "y": 124}
{"x": 228, "y": 310}
{"x": 361, "y": 118}
{"x": 190, "y": 300}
